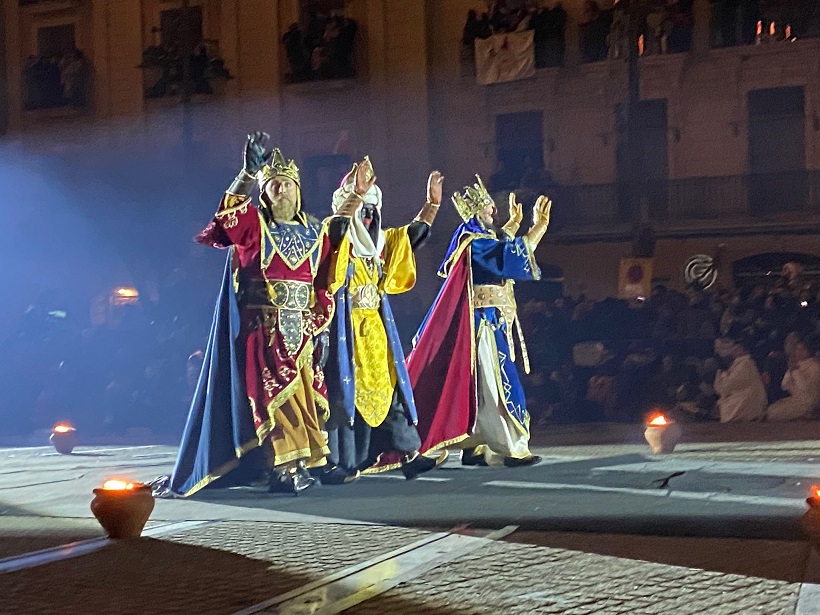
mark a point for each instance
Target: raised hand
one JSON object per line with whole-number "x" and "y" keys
{"x": 541, "y": 211}
{"x": 256, "y": 154}
{"x": 435, "y": 188}
{"x": 540, "y": 222}
{"x": 516, "y": 215}
{"x": 516, "y": 211}
{"x": 364, "y": 178}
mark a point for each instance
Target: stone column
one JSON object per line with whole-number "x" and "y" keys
{"x": 260, "y": 55}
{"x": 572, "y": 36}
{"x": 702, "y": 28}
{"x": 118, "y": 46}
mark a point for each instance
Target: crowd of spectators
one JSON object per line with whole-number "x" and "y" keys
{"x": 666, "y": 28}
{"x": 57, "y": 81}
{"x": 325, "y": 49}
{"x": 169, "y": 63}
{"x": 701, "y": 355}
{"x": 727, "y": 355}
{"x": 548, "y": 26}
{"x": 749, "y": 22}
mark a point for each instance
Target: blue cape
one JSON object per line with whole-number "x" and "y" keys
{"x": 220, "y": 428}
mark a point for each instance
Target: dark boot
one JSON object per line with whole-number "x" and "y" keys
{"x": 470, "y": 457}
{"x": 512, "y": 462}
{"x": 301, "y": 481}
{"x": 335, "y": 475}
{"x": 367, "y": 463}
{"x": 289, "y": 480}
{"x": 416, "y": 463}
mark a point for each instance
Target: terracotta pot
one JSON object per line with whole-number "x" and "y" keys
{"x": 64, "y": 442}
{"x": 810, "y": 521}
{"x": 123, "y": 513}
{"x": 663, "y": 438}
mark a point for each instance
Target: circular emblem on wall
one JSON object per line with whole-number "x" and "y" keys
{"x": 700, "y": 271}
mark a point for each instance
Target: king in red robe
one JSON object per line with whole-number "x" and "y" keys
{"x": 260, "y": 385}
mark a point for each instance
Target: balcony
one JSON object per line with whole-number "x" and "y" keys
{"x": 58, "y": 82}
{"x": 751, "y": 203}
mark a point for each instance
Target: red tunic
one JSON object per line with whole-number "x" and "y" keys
{"x": 278, "y": 340}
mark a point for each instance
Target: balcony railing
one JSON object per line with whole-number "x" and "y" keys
{"x": 737, "y": 197}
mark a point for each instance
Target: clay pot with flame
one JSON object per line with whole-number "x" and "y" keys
{"x": 122, "y": 508}
{"x": 63, "y": 438}
{"x": 810, "y": 521}
{"x": 662, "y": 434}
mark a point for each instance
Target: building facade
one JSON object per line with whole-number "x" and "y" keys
{"x": 729, "y": 130}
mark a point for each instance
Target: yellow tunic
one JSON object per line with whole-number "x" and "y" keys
{"x": 374, "y": 370}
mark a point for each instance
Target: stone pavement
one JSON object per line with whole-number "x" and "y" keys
{"x": 755, "y": 442}
{"x": 224, "y": 567}
{"x": 253, "y": 559}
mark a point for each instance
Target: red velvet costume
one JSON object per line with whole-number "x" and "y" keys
{"x": 283, "y": 305}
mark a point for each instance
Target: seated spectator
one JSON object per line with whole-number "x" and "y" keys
{"x": 801, "y": 382}
{"x": 739, "y": 387}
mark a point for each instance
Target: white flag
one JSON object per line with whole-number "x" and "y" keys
{"x": 505, "y": 57}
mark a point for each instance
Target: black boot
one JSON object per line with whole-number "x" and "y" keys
{"x": 301, "y": 481}
{"x": 280, "y": 482}
{"x": 512, "y": 462}
{"x": 367, "y": 463}
{"x": 335, "y": 475}
{"x": 416, "y": 463}
{"x": 469, "y": 457}
{"x": 289, "y": 480}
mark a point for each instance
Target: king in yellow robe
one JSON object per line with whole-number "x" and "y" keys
{"x": 373, "y": 415}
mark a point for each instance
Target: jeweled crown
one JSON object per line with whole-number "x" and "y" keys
{"x": 474, "y": 199}
{"x": 277, "y": 166}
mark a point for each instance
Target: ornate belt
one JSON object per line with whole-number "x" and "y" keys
{"x": 492, "y": 295}
{"x": 503, "y": 298}
{"x": 289, "y": 294}
{"x": 284, "y": 311}
{"x": 365, "y": 297}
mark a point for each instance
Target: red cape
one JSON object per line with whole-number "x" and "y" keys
{"x": 442, "y": 364}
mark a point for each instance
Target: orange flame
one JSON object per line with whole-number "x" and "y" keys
{"x": 127, "y": 291}
{"x": 62, "y": 428}
{"x": 815, "y": 492}
{"x": 117, "y": 485}
{"x": 759, "y": 29}
{"x": 658, "y": 420}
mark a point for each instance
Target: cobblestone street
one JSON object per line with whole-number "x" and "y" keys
{"x": 724, "y": 538}
{"x": 228, "y": 566}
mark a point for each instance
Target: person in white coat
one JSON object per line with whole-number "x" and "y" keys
{"x": 802, "y": 383}
{"x": 740, "y": 389}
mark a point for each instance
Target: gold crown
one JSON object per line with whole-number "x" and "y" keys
{"x": 474, "y": 199}
{"x": 278, "y": 166}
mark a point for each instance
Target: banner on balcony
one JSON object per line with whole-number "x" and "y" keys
{"x": 505, "y": 57}
{"x": 635, "y": 278}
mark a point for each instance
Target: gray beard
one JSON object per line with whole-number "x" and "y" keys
{"x": 283, "y": 211}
